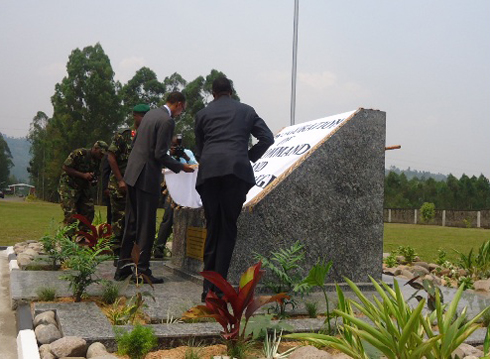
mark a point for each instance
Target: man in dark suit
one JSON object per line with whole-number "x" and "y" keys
{"x": 225, "y": 175}
{"x": 143, "y": 177}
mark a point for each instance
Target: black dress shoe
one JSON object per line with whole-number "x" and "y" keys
{"x": 121, "y": 275}
{"x": 148, "y": 279}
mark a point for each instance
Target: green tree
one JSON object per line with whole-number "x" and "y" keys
{"x": 5, "y": 162}
{"x": 144, "y": 87}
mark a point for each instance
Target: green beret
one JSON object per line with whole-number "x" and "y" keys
{"x": 102, "y": 145}
{"x": 141, "y": 108}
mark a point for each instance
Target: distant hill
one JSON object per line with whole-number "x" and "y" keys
{"x": 19, "y": 147}
{"x": 409, "y": 173}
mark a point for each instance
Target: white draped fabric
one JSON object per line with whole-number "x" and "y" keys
{"x": 182, "y": 188}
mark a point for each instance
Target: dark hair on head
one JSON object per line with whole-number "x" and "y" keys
{"x": 222, "y": 86}
{"x": 176, "y": 96}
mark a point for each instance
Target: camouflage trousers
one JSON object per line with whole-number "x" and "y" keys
{"x": 118, "y": 205}
{"x": 76, "y": 201}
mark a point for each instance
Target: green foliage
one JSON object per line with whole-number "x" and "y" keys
{"x": 467, "y": 223}
{"x": 464, "y": 193}
{"x": 239, "y": 349}
{"x": 127, "y": 311}
{"x": 441, "y": 257}
{"x": 316, "y": 278}
{"x": 466, "y": 282}
{"x": 54, "y": 245}
{"x": 136, "y": 343}
{"x": 312, "y": 309}
{"x": 271, "y": 347}
{"x": 242, "y": 302}
{"x": 391, "y": 261}
{"x": 110, "y": 292}
{"x": 476, "y": 265}
{"x": 427, "y": 212}
{"x": 408, "y": 253}
{"x": 285, "y": 267}
{"x": 84, "y": 261}
{"x": 5, "y": 162}
{"x": 259, "y": 325}
{"x": 46, "y": 294}
{"x": 396, "y": 330}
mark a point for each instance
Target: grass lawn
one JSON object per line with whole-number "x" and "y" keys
{"x": 426, "y": 240}
{"x": 20, "y": 221}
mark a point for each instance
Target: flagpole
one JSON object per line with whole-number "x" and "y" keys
{"x": 294, "y": 62}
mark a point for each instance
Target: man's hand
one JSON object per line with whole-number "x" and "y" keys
{"x": 88, "y": 176}
{"x": 123, "y": 187}
{"x": 187, "y": 168}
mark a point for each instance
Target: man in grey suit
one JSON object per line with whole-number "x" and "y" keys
{"x": 143, "y": 177}
{"x": 225, "y": 175}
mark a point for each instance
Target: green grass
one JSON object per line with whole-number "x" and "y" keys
{"x": 428, "y": 239}
{"x": 20, "y": 221}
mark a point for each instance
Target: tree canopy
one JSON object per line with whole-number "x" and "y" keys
{"x": 5, "y": 162}
{"x": 89, "y": 105}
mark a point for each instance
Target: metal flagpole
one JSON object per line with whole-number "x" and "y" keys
{"x": 295, "y": 61}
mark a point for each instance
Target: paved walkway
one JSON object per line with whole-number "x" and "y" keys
{"x": 8, "y": 325}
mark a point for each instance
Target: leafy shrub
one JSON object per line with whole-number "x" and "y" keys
{"x": 285, "y": 266}
{"x": 408, "y": 253}
{"x": 391, "y": 261}
{"x": 467, "y": 223}
{"x": 136, "y": 343}
{"x": 54, "y": 244}
{"x": 441, "y": 257}
{"x": 127, "y": 311}
{"x": 84, "y": 261}
{"x": 46, "y": 294}
{"x": 427, "y": 212}
{"x": 110, "y": 293}
{"x": 466, "y": 282}
{"x": 396, "y": 330}
{"x": 477, "y": 265}
{"x": 312, "y": 309}
{"x": 259, "y": 325}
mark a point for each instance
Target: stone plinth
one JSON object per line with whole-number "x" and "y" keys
{"x": 331, "y": 200}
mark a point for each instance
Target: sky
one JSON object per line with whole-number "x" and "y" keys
{"x": 425, "y": 63}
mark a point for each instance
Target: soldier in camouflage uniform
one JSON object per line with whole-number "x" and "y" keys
{"x": 118, "y": 155}
{"x": 79, "y": 172}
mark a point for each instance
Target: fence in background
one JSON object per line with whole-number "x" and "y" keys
{"x": 443, "y": 217}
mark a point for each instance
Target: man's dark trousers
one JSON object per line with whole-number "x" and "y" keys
{"x": 141, "y": 208}
{"x": 222, "y": 199}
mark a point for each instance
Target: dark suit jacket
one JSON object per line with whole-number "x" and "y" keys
{"x": 223, "y": 130}
{"x": 150, "y": 152}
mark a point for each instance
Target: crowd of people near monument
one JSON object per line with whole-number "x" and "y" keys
{"x": 133, "y": 183}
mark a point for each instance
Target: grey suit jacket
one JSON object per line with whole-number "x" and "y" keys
{"x": 223, "y": 130}
{"x": 150, "y": 152}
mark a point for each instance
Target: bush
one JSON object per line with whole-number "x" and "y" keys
{"x": 427, "y": 212}
{"x": 46, "y": 294}
{"x": 408, "y": 253}
{"x": 136, "y": 343}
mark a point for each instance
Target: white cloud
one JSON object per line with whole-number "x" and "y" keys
{"x": 56, "y": 69}
{"x": 127, "y": 68}
{"x": 318, "y": 80}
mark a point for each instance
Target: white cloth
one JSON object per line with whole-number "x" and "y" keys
{"x": 182, "y": 188}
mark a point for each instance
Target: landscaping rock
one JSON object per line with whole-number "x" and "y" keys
{"x": 47, "y": 333}
{"x": 419, "y": 270}
{"x": 107, "y": 356}
{"x": 470, "y": 350}
{"x": 310, "y": 352}
{"x": 45, "y": 352}
{"x": 47, "y": 317}
{"x": 462, "y": 273}
{"x": 433, "y": 267}
{"x": 69, "y": 347}
{"x": 482, "y": 285}
{"x": 407, "y": 274}
{"x": 23, "y": 260}
{"x": 422, "y": 264}
{"x": 30, "y": 252}
{"x": 96, "y": 349}
{"x": 400, "y": 259}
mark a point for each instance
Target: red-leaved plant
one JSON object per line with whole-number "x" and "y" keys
{"x": 101, "y": 231}
{"x": 242, "y": 301}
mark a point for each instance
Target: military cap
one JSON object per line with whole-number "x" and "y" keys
{"x": 141, "y": 108}
{"x": 102, "y": 145}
